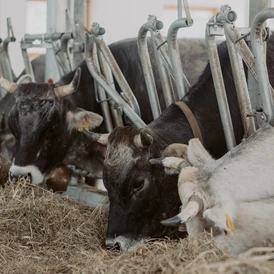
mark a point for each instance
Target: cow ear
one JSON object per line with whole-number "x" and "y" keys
{"x": 142, "y": 140}
{"x": 175, "y": 150}
{"x": 196, "y": 153}
{"x": 80, "y": 118}
{"x": 24, "y": 79}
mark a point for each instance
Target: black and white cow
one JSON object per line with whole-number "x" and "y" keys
{"x": 140, "y": 196}
{"x": 232, "y": 196}
{"x": 44, "y": 121}
{"x": 66, "y": 146}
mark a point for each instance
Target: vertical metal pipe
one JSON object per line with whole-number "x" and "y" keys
{"x": 27, "y": 63}
{"x": 127, "y": 92}
{"x": 175, "y": 56}
{"x": 146, "y": 64}
{"x": 163, "y": 72}
{"x": 220, "y": 89}
{"x": 101, "y": 93}
{"x": 240, "y": 80}
{"x": 114, "y": 109}
{"x": 260, "y": 62}
{"x": 79, "y": 15}
{"x": 255, "y": 6}
{"x": 136, "y": 120}
{"x": 56, "y": 21}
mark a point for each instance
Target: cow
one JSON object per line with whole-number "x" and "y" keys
{"x": 138, "y": 193}
{"x": 43, "y": 122}
{"x": 76, "y": 149}
{"x": 232, "y": 196}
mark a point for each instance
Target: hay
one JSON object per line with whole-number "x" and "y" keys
{"x": 42, "y": 232}
{"x": 4, "y": 169}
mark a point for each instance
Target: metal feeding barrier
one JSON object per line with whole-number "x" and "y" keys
{"x": 58, "y": 41}
{"x": 101, "y": 80}
{"x": 223, "y": 24}
{"x": 167, "y": 57}
{"x": 5, "y": 65}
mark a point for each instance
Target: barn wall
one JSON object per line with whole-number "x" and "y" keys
{"x": 120, "y": 18}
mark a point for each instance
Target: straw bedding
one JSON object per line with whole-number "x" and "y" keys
{"x": 42, "y": 232}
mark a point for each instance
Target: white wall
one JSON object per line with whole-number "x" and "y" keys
{"x": 123, "y": 18}
{"x": 120, "y": 18}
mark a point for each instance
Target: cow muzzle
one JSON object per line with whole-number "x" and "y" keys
{"x": 17, "y": 172}
{"x": 121, "y": 243}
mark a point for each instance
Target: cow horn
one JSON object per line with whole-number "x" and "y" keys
{"x": 193, "y": 207}
{"x": 156, "y": 161}
{"x": 72, "y": 87}
{"x": 7, "y": 85}
{"x": 100, "y": 138}
{"x": 142, "y": 140}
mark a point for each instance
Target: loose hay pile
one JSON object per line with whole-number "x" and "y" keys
{"x": 4, "y": 168}
{"x": 42, "y": 232}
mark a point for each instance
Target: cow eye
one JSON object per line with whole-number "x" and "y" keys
{"x": 138, "y": 185}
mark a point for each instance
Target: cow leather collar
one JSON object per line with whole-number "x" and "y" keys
{"x": 191, "y": 120}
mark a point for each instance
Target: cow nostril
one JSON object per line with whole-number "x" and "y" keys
{"x": 112, "y": 244}
{"x": 115, "y": 246}
{"x": 12, "y": 178}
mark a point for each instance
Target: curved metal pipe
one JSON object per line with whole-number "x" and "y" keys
{"x": 239, "y": 80}
{"x": 175, "y": 56}
{"x": 132, "y": 101}
{"x": 154, "y": 25}
{"x": 136, "y": 120}
{"x": 260, "y": 63}
{"x": 220, "y": 89}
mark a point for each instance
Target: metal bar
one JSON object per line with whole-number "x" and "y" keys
{"x": 45, "y": 37}
{"x": 174, "y": 53}
{"x": 220, "y": 89}
{"x": 78, "y": 10}
{"x": 56, "y": 22}
{"x": 179, "y": 8}
{"x": 152, "y": 24}
{"x": 28, "y": 66}
{"x": 114, "y": 109}
{"x": 163, "y": 72}
{"x": 240, "y": 80}
{"x": 255, "y": 6}
{"x": 5, "y": 59}
{"x": 260, "y": 63}
{"x": 136, "y": 120}
{"x": 101, "y": 93}
{"x": 118, "y": 75}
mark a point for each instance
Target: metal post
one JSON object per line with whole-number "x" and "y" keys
{"x": 136, "y": 120}
{"x": 173, "y": 47}
{"x": 127, "y": 93}
{"x": 239, "y": 79}
{"x": 78, "y": 11}
{"x": 260, "y": 62}
{"x": 163, "y": 72}
{"x": 102, "y": 98}
{"x": 214, "y": 27}
{"x": 255, "y": 6}
{"x": 153, "y": 24}
{"x": 56, "y": 21}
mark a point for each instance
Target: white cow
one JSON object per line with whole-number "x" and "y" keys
{"x": 233, "y": 195}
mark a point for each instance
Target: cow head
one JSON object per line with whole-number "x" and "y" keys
{"x": 140, "y": 194}
{"x": 43, "y": 121}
